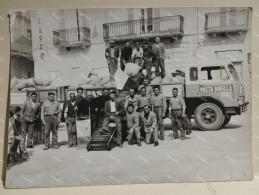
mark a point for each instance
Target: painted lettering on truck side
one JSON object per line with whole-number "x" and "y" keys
{"x": 216, "y": 89}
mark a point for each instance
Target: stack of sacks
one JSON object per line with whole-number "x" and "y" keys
{"x": 132, "y": 69}
{"x": 31, "y": 84}
{"x": 167, "y": 80}
{"x": 156, "y": 81}
{"x": 95, "y": 82}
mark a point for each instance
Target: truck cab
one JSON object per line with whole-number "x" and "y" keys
{"x": 213, "y": 93}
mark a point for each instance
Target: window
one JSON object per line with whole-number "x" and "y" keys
{"x": 193, "y": 73}
{"x": 214, "y": 73}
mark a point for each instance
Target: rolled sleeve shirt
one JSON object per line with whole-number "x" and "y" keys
{"x": 49, "y": 108}
{"x": 177, "y": 103}
{"x": 159, "y": 101}
{"x": 143, "y": 100}
{"x": 132, "y": 120}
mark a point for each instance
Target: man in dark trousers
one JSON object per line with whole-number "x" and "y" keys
{"x": 114, "y": 110}
{"x": 81, "y": 104}
{"x": 147, "y": 59}
{"x": 69, "y": 113}
{"x": 126, "y": 53}
{"x": 30, "y": 112}
{"x": 159, "y": 51}
{"x": 51, "y": 117}
{"x": 177, "y": 107}
{"x": 93, "y": 107}
{"x": 112, "y": 54}
{"x": 100, "y": 102}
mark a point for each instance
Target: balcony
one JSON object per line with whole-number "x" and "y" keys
{"x": 72, "y": 37}
{"x": 146, "y": 28}
{"x": 22, "y": 47}
{"x": 229, "y": 21}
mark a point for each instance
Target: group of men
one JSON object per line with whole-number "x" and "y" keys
{"x": 144, "y": 57}
{"x": 143, "y": 113}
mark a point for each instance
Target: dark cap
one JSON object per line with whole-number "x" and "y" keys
{"x": 51, "y": 93}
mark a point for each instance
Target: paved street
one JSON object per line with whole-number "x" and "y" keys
{"x": 204, "y": 156}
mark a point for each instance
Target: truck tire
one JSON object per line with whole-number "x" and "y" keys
{"x": 226, "y": 121}
{"x": 209, "y": 117}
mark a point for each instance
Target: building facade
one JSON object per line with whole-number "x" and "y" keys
{"x": 21, "y": 45}
{"x": 69, "y": 39}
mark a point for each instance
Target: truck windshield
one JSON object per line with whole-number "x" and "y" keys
{"x": 214, "y": 73}
{"x": 233, "y": 72}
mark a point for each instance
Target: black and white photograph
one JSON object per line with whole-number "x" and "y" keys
{"x": 129, "y": 96}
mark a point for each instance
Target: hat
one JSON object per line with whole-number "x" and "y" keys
{"x": 51, "y": 93}
{"x": 145, "y": 43}
{"x": 111, "y": 41}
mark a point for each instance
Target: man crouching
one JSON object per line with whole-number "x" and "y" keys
{"x": 133, "y": 125}
{"x": 150, "y": 125}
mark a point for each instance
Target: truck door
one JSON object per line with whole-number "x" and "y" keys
{"x": 192, "y": 82}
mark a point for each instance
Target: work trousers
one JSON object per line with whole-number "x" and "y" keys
{"x": 117, "y": 121}
{"x": 177, "y": 120}
{"x": 28, "y": 128}
{"x": 160, "y": 121}
{"x": 148, "y": 66}
{"x": 151, "y": 135}
{"x": 136, "y": 132}
{"x": 112, "y": 63}
{"x": 160, "y": 63}
{"x": 51, "y": 125}
{"x": 71, "y": 130}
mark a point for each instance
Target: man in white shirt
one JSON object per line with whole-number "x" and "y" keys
{"x": 137, "y": 54}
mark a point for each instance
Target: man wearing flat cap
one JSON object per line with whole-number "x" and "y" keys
{"x": 112, "y": 55}
{"x": 51, "y": 116}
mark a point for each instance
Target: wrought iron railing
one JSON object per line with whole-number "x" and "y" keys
{"x": 229, "y": 21}
{"x": 170, "y": 25}
{"x": 72, "y": 37}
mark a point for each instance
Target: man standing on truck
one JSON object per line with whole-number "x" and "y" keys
{"x": 159, "y": 51}
{"x": 131, "y": 98}
{"x": 137, "y": 54}
{"x": 149, "y": 89}
{"x": 114, "y": 110}
{"x": 159, "y": 107}
{"x": 147, "y": 59}
{"x": 51, "y": 117}
{"x": 112, "y": 54}
{"x": 150, "y": 125}
{"x": 30, "y": 112}
{"x": 126, "y": 53}
{"x": 177, "y": 107}
{"x": 133, "y": 125}
{"x": 69, "y": 113}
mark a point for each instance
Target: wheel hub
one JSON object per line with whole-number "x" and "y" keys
{"x": 208, "y": 115}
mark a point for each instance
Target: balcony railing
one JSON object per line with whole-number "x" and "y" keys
{"x": 72, "y": 37}
{"x": 163, "y": 26}
{"x": 229, "y": 21}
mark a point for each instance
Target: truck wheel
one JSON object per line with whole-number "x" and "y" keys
{"x": 208, "y": 116}
{"x": 226, "y": 121}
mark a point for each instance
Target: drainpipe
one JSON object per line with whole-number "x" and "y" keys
{"x": 77, "y": 20}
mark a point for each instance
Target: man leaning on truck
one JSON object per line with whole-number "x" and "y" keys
{"x": 177, "y": 106}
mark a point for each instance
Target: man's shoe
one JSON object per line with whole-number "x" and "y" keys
{"x": 139, "y": 143}
{"x": 156, "y": 144}
{"x": 162, "y": 138}
{"x": 30, "y": 146}
{"x": 182, "y": 138}
{"x": 45, "y": 148}
{"x": 75, "y": 145}
{"x": 69, "y": 145}
{"x": 55, "y": 147}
